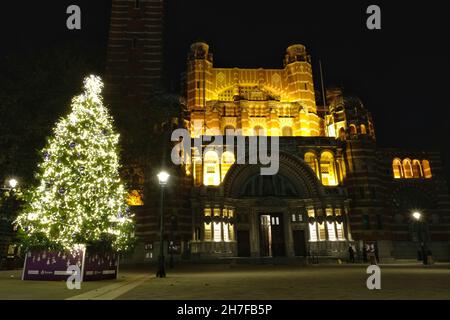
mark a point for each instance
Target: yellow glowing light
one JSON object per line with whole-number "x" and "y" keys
{"x": 80, "y": 197}
{"x": 13, "y": 183}
{"x": 134, "y": 198}
{"x": 163, "y": 177}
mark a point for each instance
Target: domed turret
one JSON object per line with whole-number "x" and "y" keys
{"x": 296, "y": 52}
{"x": 348, "y": 117}
{"x": 200, "y": 50}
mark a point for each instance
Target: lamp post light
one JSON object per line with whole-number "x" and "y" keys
{"x": 163, "y": 178}
{"x": 13, "y": 183}
{"x": 9, "y": 208}
{"x": 418, "y": 217}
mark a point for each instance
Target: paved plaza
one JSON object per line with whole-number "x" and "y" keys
{"x": 268, "y": 282}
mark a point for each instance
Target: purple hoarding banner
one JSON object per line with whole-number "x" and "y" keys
{"x": 100, "y": 266}
{"x": 51, "y": 265}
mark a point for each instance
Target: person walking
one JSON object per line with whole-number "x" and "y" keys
{"x": 365, "y": 253}
{"x": 377, "y": 257}
{"x": 371, "y": 255}
{"x": 351, "y": 254}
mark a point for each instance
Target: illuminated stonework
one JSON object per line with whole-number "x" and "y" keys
{"x": 135, "y": 198}
{"x": 335, "y": 186}
{"x": 273, "y": 102}
{"x": 411, "y": 169}
{"x": 253, "y": 102}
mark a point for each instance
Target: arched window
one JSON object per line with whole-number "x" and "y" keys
{"x": 363, "y": 129}
{"x": 352, "y": 128}
{"x": 207, "y": 233}
{"x": 322, "y": 232}
{"x": 227, "y": 162}
{"x": 311, "y": 160}
{"x": 339, "y": 225}
{"x": 258, "y": 131}
{"x": 231, "y": 232}
{"x": 217, "y": 231}
{"x": 197, "y": 167}
{"x": 287, "y": 131}
{"x": 312, "y": 226}
{"x": 328, "y": 169}
{"x": 397, "y": 168}
{"x": 229, "y": 130}
{"x": 330, "y": 225}
{"x": 407, "y": 169}
{"x": 226, "y": 234}
{"x": 211, "y": 166}
{"x": 417, "y": 169}
{"x": 426, "y": 169}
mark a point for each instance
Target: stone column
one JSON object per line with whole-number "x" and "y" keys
{"x": 288, "y": 234}
{"x": 254, "y": 234}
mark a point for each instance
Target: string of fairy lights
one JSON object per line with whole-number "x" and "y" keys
{"x": 80, "y": 197}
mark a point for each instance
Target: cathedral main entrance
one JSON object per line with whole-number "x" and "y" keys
{"x": 271, "y": 218}
{"x": 271, "y": 235}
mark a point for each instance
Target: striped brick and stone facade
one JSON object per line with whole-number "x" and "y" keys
{"x": 336, "y": 186}
{"x": 134, "y": 72}
{"x": 135, "y": 50}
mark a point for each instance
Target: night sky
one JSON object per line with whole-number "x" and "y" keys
{"x": 400, "y": 72}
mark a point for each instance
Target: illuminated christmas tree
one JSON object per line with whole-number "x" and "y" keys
{"x": 80, "y": 198}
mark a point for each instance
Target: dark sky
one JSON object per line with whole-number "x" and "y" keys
{"x": 400, "y": 72}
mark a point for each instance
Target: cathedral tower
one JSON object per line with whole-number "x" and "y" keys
{"x": 135, "y": 50}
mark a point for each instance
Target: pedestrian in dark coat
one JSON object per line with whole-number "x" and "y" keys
{"x": 365, "y": 253}
{"x": 351, "y": 254}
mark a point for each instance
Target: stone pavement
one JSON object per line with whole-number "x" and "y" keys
{"x": 289, "y": 282}
{"x": 268, "y": 282}
{"x": 113, "y": 290}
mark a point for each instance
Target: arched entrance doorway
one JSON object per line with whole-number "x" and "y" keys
{"x": 272, "y": 242}
{"x": 265, "y": 206}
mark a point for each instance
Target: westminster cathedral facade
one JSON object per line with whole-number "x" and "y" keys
{"x": 335, "y": 186}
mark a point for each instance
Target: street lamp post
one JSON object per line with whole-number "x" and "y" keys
{"x": 163, "y": 178}
{"x": 10, "y": 208}
{"x": 13, "y": 183}
{"x": 418, "y": 217}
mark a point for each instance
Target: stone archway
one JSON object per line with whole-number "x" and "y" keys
{"x": 294, "y": 177}
{"x": 267, "y": 202}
